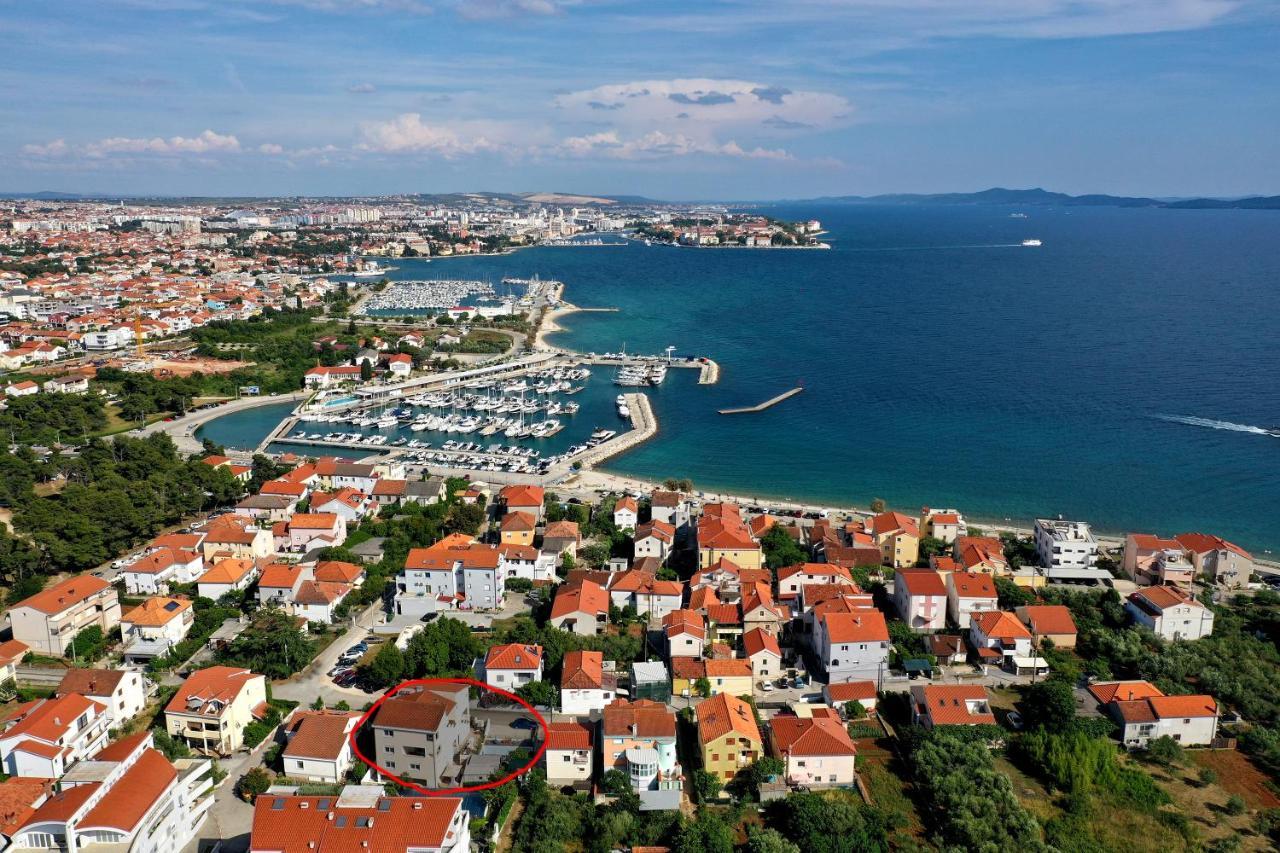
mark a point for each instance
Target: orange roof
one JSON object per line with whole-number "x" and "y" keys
{"x": 946, "y": 704}
{"x": 626, "y": 502}
{"x": 642, "y": 718}
{"x": 819, "y": 736}
{"x": 1123, "y": 691}
{"x": 861, "y": 626}
{"x": 973, "y": 585}
{"x": 442, "y": 557}
{"x": 68, "y": 593}
{"x": 293, "y": 824}
{"x": 849, "y": 691}
{"x": 522, "y": 495}
{"x": 831, "y": 571}
{"x": 728, "y": 668}
{"x": 158, "y": 560}
{"x": 759, "y": 640}
{"x": 280, "y": 576}
{"x": 722, "y": 715}
{"x": 321, "y": 592}
{"x": 313, "y": 521}
{"x": 319, "y": 734}
{"x": 562, "y": 530}
{"x": 133, "y": 795}
{"x": 519, "y": 522}
{"x": 999, "y": 625}
{"x": 419, "y": 709}
{"x": 12, "y": 650}
{"x": 63, "y": 805}
{"x": 178, "y": 541}
{"x": 892, "y": 522}
{"x": 1157, "y": 599}
{"x": 572, "y": 735}
{"x": 922, "y": 582}
{"x": 228, "y": 570}
{"x": 980, "y": 551}
{"x": 157, "y": 611}
{"x": 1199, "y": 543}
{"x": 337, "y": 571}
{"x": 582, "y": 670}
{"x": 703, "y": 597}
{"x": 580, "y": 597}
{"x": 220, "y": 684}
{"x": 20, "y": 796}
{"x": 1167, "y": 707}
{"x": 1050, "y": 619}
{"x": 513, "y": 656}
{"x": 50, "y": 720}
{"x": 684, "y": 622}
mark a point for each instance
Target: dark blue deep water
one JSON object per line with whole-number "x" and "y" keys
{"x": 945, "y": 364}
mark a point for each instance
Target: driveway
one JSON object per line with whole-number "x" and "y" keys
{"x": 314, "y": 681}
{"x": 230, "y": 819}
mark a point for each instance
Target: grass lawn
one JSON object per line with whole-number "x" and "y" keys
{"x": 884, "y": 778}
{"x": 117, "y": 424}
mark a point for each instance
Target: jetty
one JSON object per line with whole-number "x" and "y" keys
{"x": 760, "y": 407}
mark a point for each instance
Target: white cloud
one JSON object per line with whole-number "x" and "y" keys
{"x": 362, "y": 88}
{"x": 412, "y": 7}
{"x": 206, "y": 143}
{"x": 656, "y": 144}
{"x": 270, "y": 148}
{"x": 697, "y": 105}
{"x": 407, "y": 133}
{"x": 56, "y": 148}
{"x": 511, "y": 8}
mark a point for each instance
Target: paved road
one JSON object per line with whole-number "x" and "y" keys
{"x": 182, "y": 430}
{"x": 314, "y": 681}
{"x": 231, "y": 818}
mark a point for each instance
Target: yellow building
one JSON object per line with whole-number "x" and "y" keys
{"x": 211, "y": 709}
{"x": 728, "y": 734}
{"x": 722, "y": 534}
{"x": 898, "y": 537}
{"x": 517, "y": 528}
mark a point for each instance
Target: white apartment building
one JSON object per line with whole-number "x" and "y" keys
{"x": 1065, "y": 544}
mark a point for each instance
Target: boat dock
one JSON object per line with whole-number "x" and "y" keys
{"x": 760, "y": 407}
{"x": 708, "y": 369}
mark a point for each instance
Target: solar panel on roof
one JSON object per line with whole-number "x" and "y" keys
{"x": 340, "y": 821}
{"x": 384, "y": 805}
{"x": 323, "y": 804}
{"x": 171, "y": 606}
{"x": 277, "y": 805}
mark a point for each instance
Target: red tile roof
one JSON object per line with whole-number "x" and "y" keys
{"x": 819, "y": 736}
{"x": 947, "y": 704}
{"x": 133, "y": 795}
{"x": 723, "y": 714}
{"x": 649, "y": 719}
{"x": 580, "y": 597}
{"x": 1050, "y": 619}
{"x": 61, "y": 596}
{"x": 849, "y": 691}
{"x": 319, "y": 734}
{"x": 973, "y": 585}
{"x": 570, "y": 735}
{"x": 999, "y": 625}
{"x": 864, "y": 626}
{"x": 514, "y": 656}
{"x": 759, "y": 640}
{"x": 292, "y": 824}
{"x": 1123, "y": 691}
{"x": 582, "y": 670}
{"x": 922, "y": 582}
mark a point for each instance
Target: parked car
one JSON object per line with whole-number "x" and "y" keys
{"x": 1015, "y": 721}
{"x": 524, "y": 723}
{"x": 766, "y": 687}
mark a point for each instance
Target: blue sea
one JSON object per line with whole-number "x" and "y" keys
{"x": 1124, "y": 373}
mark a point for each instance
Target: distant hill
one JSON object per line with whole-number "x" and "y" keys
{"x": 1044, "y": 198}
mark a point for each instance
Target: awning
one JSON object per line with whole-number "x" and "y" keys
{"x": 1030, "y": 663}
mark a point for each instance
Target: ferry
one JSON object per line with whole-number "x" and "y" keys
{"x": 370, "y": 270}
{"x": 1032, "y": 242}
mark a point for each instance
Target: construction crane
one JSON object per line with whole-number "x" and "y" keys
{"x": 137, "y": 336}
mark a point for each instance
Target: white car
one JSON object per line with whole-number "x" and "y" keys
{"x": 766, "y": 687}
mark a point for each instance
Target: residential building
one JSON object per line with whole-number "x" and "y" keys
{"x": 792, "y": 578}
{"x": 49, "y": 620}
{"x": 517, "y": 528}
{"x": 456, "y": 571}
{"x": 1051, "y": 622}
{"x": 267, "y": 508}
{"x": 154, "y": 571}
{"x": 318, "y": 746}
{"x": 318, "y": 601}
{"x": 643, "y": 591}
{"x": 307, "y": 530}
{"x": 1151, "y": 560}
{"x": 46, "y": 736}
{"x": 279, "y": 583}
{"x": 1170, "y": 613}
{"x": 685, "y": 633}
{"x": 639, "y": 739}
{"x": 669, "y": 507}
{"x": 654, "y": 539}
{"x": 839, "y": 694}
{"x": 981, "y": 554}
{"x": 762, "y": 650}
{"x": 584, "y": 685}
{"x": 238, "y": 537}
{"x": 528, "y": 563}
{"x": 211, "y": 708}
{"x": 852, "y": 646}
{"x": 569, "y": 753}
{"x": 898, "y": 537}
{"x": 155, "y": 626}
{"x": 722, "y": 534}
{"x": 817, "y": 750}
{"x": 580, "y": 607}
{"x": 1065, "y": 544}
{"x": 127, "y": 797}
{"x": 1222, "y": 562}
{"x": 968, "y": 593}
{"x": 226, "y": 574}
{"x": 523, "y": 498}
{"x": 945, "y": 525}
{"x": 626, "y": 513}
{"x": 361, "y": 818}
{"x": 728, "y": 736}
{"x": 998, "y": 637}
{"x": 920, "y": 597}
{"x": 512, "y": 665}
{"x": 935, "y": 705}
{"x": 561, "y": 537}
{"x": 419, "y": 732}
{"x": 1144, "y": 713}
{"x": 11, "y": 654}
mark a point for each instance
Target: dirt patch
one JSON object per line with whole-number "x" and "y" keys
{"x": 165, "y": 368}
{"x": 1238, "y": 775}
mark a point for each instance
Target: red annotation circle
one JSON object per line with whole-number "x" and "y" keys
{"x": 440, "y": 792}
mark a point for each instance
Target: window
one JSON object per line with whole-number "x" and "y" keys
{"x": 300, "y": 764}
{"x": 391, "y": 764}
{"x": 566, "y": 758}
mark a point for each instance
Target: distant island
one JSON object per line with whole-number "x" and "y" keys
{"x": 1044, "y": 198}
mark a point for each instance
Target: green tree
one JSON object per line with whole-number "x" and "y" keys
{"x": 272, "y": 644}
{"x": 878, "y": 505}
{"x": 780, "y": 549}
{"x": 387, "y": 667}
{"x": 1009, "y": 595}
{"x": 1165, "y": 750}
{"x": 708, "y": 834}
{"x": 366, "y": 370}
{"x": 540, "y": 693}
{"x": 1051, "y": 704}
{"x": 706, "y": 786}
{"x": 702, "y": 687}
{"x": 254, "y": 783}
{"x": 1235, "y": 805}
{"x": 88, "y": 646}
{"x": 768, "y": 841}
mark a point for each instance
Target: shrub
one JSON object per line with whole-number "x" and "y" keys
{"x": 253, "y": 783}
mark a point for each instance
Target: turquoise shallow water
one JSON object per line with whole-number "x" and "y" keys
{"x": 945, "y": 364}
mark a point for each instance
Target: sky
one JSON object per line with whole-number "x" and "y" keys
{"x": 720, "y": 99}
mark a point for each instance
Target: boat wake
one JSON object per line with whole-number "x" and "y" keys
{"x": 1209, "y": 423}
